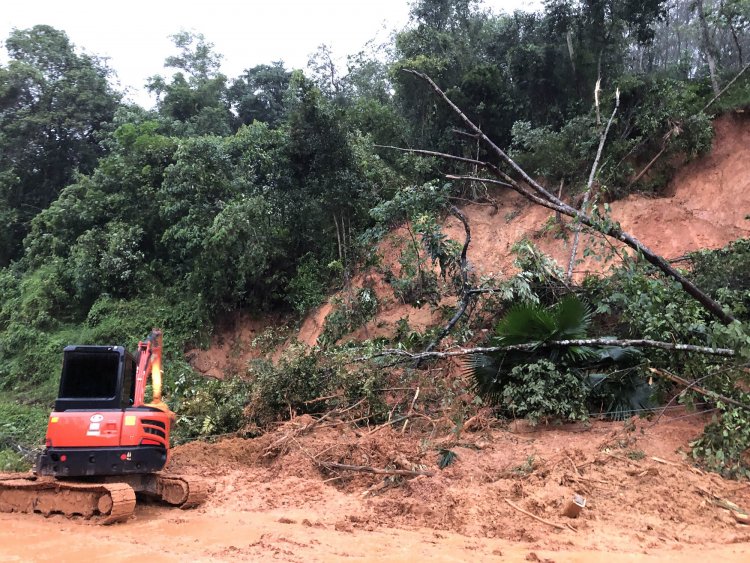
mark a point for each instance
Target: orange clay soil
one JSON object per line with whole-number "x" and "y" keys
{"x": 273, "y": 500}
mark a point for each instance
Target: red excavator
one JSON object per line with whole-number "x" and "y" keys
{"x": 104, "y": 443}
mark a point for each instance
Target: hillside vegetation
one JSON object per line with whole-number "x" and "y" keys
{"x": 266, "y": 193}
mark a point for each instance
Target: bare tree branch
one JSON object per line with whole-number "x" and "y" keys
{"x": 441, "y": 155}
{"x": 330, "y": 465}
{"x": 717, "y": 96}
{"x": 521, "y": 172}
{"x": 592, "y": 175}
{"x": 609, "y": 228}
{"x": 698, "y": 389}
{"x": 476, "y": 179}
{"x": 467, "y": 295}
{"x": 638, "y": 343}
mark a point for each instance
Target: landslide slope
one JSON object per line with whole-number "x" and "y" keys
{"x": 705, "y": 206}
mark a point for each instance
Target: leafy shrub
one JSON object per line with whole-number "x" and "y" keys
{"x": 633, "y": 302}
{"x": 565, "y": 154}
{"x": 205, "y": 406}
{"x": 539, "y": 391}
{"x": 30, "y": 355}
{"x": 307, "y": 289}
{"x": 723, "y": 447}
{"x": 549, "y": 381}
{"x": 308, "y": 380}
{"x": 108, "y": 260}
{"x": 11, "y": 461}
{"x": 22, "y": 429}
{"x": 725, "y": 274}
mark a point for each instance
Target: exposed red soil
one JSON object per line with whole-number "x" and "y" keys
{"x": 234, "y": 344}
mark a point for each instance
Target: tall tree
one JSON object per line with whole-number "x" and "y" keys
{"x": 258, "y": 94}
{"x": 709, "y": 49}
{"x": 196, "y": 96}
{"x": 53, "y": 103}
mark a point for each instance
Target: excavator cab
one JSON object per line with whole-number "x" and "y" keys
{"x": 96, "y": 377}
{"x": 101, "y": 425}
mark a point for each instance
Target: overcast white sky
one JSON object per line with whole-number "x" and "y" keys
{"x": 134, "y": 35}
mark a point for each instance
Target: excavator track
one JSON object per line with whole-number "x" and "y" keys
{"x": 108, "y": 502}
{"x": 181, "y": 491}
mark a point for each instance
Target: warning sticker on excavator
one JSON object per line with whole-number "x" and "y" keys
{"x": 95, "y": 425}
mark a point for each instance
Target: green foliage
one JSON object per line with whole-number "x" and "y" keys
{"x": 566, "y": 154}
{"x": 446, "y": 457}
{"x": 648, "y": 306}
{"x": 557, "y": 381}
{"x": 22, "y": 423}
{"x": 309, "y": 380}
{"x": 725, "y": 441}
{"x": 419, "y": 207}
{"x": 22, "y": 428}
{"x": 108, "y": 260}
{"x": 567, "y": 320}
{"x": 11, "y": 461}
{"x": 206, "y": 407}
{"x": 258, "y": 95}
{"x": 725, "y": 274}
{"x": 254, "y": 194}
{"x": 539, "y": 391}
{"x": 31, "y": 354}
{"x": 54, "y": 103}
{"x": 195, "y": 99}
{"x": 634, "y": 302}
{"x": 307, "y": 289}
{"x": 655, "y": 113}
{"x": 349, "y": 313}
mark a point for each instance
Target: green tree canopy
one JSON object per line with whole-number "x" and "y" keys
{"x": 54, "y": 102}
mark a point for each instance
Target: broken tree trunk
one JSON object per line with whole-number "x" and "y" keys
{"x": 633, "y": 343}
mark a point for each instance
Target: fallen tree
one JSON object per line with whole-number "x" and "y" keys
{"x": 627, "y": 343}
{"x": 536, "y": 193}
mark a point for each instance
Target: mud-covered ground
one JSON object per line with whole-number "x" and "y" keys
{"x": 277, "y": 498}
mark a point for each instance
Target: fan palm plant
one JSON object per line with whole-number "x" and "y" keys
{"x": 506, "y": 378}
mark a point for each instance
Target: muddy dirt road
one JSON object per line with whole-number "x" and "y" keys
{"x": 272, "y": 501}
{"x": 158, "y": 534}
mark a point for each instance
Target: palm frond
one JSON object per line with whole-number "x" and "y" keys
{"x": 525, "y": 323}
{"x": 572, "y": 318}
{"x": 533, "y": 323}
{"x": 485, "y": 372}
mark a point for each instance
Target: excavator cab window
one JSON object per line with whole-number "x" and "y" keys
{"x": 92, "y": 378}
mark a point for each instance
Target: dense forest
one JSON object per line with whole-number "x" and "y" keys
{"x": 266, "y": 192}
